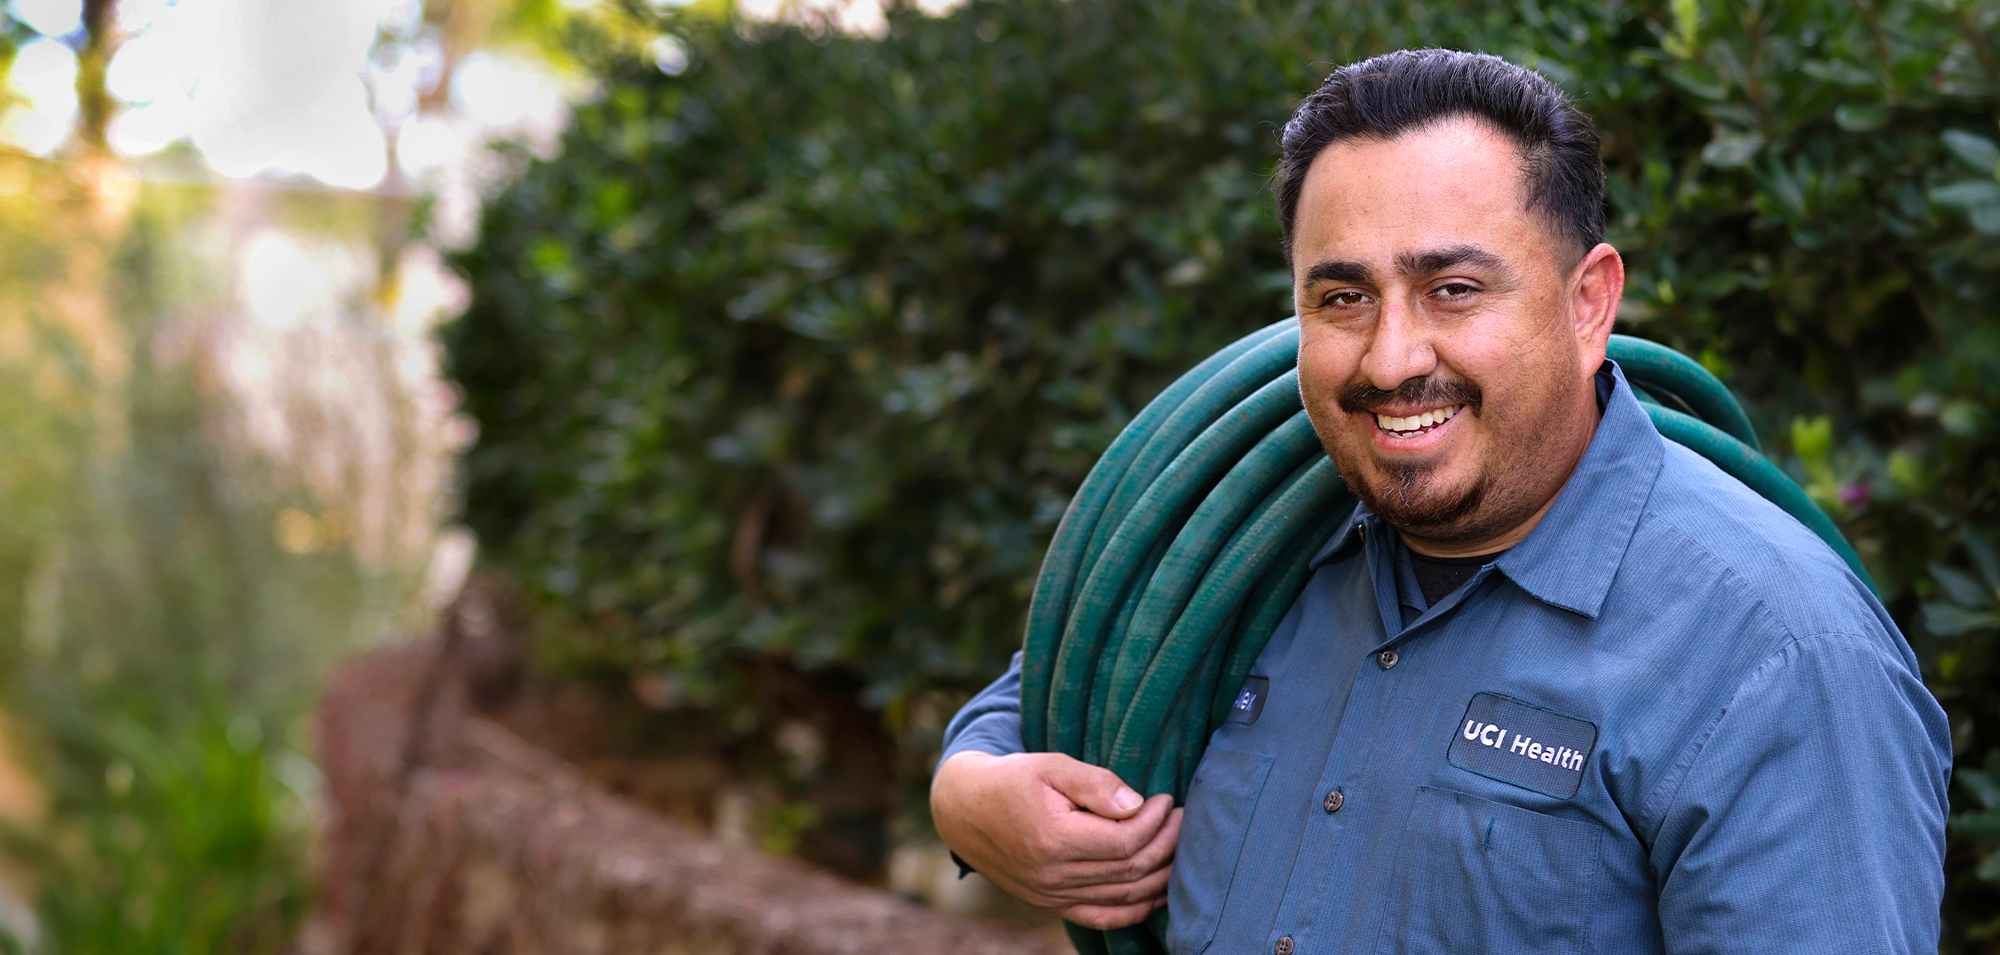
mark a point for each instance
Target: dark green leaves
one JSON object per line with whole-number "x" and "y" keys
{"x": 799, "y": 353}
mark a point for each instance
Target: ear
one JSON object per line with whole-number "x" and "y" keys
{"x": 1599, "y": 285}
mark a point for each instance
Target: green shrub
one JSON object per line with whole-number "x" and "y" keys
{"x": 798, "y": 355}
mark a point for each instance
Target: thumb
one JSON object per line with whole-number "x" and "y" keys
{"x": 1094, "y": 788}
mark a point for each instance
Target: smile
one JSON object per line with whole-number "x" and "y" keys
{"x": 1417, "y": 424}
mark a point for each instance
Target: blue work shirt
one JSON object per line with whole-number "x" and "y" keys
{"x": 1670, "y": 719}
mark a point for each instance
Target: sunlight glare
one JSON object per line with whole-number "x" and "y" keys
{"x": 153, "y": 76}
{"x": 315, "y": 89}
{"x": 852, "y": 17}
{"x": 49, "y": 17}
{"x": 255, "y": 86}
{"x": 504, "y": 92}
{"x": 669, "y": 54}
{"x": 44, "y": 74}
{"x": 424, "y": 146}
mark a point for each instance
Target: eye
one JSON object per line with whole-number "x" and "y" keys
{"x": 1346, "y": 299}
{"x": 1453, "y": 291}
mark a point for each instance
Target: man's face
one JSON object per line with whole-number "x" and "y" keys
{"x": 1446, "y": 340}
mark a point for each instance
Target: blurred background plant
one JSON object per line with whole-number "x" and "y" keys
{"x": 226, "y": 453}
{"x": 792, "y": 357}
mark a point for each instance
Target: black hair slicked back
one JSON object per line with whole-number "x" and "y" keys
{"x": 1388, "y": 95}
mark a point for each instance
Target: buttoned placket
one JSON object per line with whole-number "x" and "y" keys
{"x": 1343, "y": 779}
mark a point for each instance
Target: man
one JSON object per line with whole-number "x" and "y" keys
{"x": 1560, "y": 685}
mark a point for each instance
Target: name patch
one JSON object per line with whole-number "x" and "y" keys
{"x": 1250, "y": 700}
{"x": 1522, "y": 744}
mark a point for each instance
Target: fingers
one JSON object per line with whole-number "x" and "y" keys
{"x": 1124, "y": 881}
{"x": 1092, "y": 787}
{"x": 1021, "y": 821}
{"x": 1125, "y": 892}
{"x": 1110, "y": 916}
{"x": 1159, "y": 852}
{"x": 1098, "y": 839}
{"x": 1153, "y": 855}
{"x": 1143, "y": 891}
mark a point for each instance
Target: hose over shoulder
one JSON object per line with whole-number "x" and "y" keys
{"x": 1050, "y": 602}
{"x": 1190, "y": 540}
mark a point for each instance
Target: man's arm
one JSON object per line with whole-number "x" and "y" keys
{"x": 1811, "y": 818}
{"x": 1058, "y": 833}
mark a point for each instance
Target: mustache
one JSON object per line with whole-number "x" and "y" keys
{"x": 1428, "y": 391}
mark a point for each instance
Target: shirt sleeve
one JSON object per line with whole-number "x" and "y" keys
{"x": 1811, "y": 818}
{"x": 991, "y": 721}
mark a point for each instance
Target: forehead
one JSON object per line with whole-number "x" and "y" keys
{"x": 1452, "y": 184}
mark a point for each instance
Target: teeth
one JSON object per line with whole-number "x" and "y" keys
{"x": 1418, "y": 422}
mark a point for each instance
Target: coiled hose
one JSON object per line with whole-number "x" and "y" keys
{"x": 1189, "y": 540}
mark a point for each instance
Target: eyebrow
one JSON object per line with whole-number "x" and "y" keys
{"x": 1407, "y": 263}
{"x": 1339, "y": 272}
{"x": 1428, "y": 263}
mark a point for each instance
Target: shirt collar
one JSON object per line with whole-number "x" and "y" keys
{"x": 1573, "y": 553}
{"x": 1346, "y": 537}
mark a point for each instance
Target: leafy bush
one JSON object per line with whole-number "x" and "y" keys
{"x": 798, "y": 354}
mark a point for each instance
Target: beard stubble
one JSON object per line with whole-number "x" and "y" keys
{"x": 1406, "y": 494}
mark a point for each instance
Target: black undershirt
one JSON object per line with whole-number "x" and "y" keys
{"x": 1437, "y": 577}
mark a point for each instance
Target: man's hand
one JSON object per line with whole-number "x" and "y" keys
{"x": 1059, "y": 834}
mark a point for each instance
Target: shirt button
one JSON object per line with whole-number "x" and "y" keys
{"x": 1334, "y": 800}
{"x": 1387, "y": 659}
{"x": 1284, "y": 946}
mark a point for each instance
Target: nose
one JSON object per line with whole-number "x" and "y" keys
{"x": 1399, "y": 345}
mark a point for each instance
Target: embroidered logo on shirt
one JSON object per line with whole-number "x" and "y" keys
{"x": 1522, "y": 744}
{"x": 1250, "y": 700}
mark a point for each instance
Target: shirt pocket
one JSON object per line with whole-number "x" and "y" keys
{"x": 1214, "y": 829}
{"x": 1482, "y": 876}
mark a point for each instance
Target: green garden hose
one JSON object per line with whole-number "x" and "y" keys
{"x": 1189, "y": 540}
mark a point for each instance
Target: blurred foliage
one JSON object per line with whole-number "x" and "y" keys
{"x": 188, "y": 842}
{"x": 168, "y": 598}
{"x": 798, "y": 352}
{"x": 158, "y": 645}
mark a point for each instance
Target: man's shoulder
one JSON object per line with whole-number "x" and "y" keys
{"x": 1706, "y": 534}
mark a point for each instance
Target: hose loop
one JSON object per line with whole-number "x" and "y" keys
{"x": 1191, "y": 538}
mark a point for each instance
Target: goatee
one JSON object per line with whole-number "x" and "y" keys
{"x": 1407, "y": 496}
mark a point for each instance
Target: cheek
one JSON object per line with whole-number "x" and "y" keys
{"x": 1525, "y": 393}
{"x": 1323, "y": 368}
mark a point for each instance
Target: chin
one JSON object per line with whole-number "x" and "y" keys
{"x": 1445, "y": 520}
{"x": 1412, "y": 499}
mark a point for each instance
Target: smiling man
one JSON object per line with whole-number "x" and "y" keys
{"x": 1422, "y": 287}
{"x": 1559, "y": 685}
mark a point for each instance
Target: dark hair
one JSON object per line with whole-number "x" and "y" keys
{"x": 1388, "y": 95}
